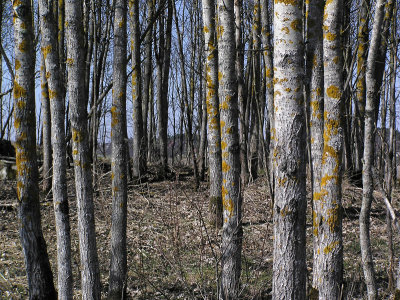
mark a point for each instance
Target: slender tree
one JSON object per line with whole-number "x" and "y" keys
{"x": 138, "y": 141}
{"x": 372, "y": 88}
{"x": 327, "y": 201}
{"x": 315, "y": 98}
{"x": 56, "y": 96}
{"x": 231, "y": 197}
{"x": 289, "y": 268}
{"x": 40, "y": 276}
{"x": 213, "y": 118}
{"x": 90, "y": 276}
{"x": 117, "y": 281}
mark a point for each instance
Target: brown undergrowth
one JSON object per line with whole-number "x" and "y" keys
{"x": 173, "y": 252}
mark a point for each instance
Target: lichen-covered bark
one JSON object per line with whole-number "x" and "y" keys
{"x": 315, "y": 94}
{"x": 242, "y": 96}
{"x": 269, "y": 74}
{"x": 46, "y": 131}
{"x": 328, "y": 199}
{"x": 289, "y": 267}
{"x": 40, "y": 276}
{"x": 138, "y": 141}
{"x": 372, "y": 88}
{"x": 50, "y": 55}
{"x": 90, "y": 276}
{"x": 118, "y": 264}
{"x": 213, "y": 118}
{"x": 363, "y": 41}
{"x": 232, "y": 231}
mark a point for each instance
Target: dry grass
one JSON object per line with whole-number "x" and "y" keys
{"x": 172, "y": 251}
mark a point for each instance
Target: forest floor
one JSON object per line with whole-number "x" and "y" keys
{"x": 173, "y": 252}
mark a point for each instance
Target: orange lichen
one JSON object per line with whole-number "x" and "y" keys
{"x": 225, "y": 166}
{"x": 77, "y": 135}
{"x": 19, "y": 91}
{"x": 296, "y": 25}
{"x": 17, "y": 65}
{"x": 46, "y": 50}
{"x": 23, "y": 46}
{"x": 328, "y": 249}
{"x": 287, "y": 2}
{"x": 114, "y": 116}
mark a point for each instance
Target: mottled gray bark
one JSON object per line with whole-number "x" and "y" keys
{"x": 328, "y": 199}
{"x": 39, "y": 274}
{"x": 118, "y": 264}
{"x": 60, "y": 197}
{"x": 289, "y": 267}
{"x": 369, "y": 137}
{"x": 90, "y": 276}
{"x": 138, "y": 141}
{"x": 46, "y": 129}
{"x": 232, "y": 230}
{"x": 315, "y": 99}
{"x": 213, "y": 117}
{"x": 242, "y": 95}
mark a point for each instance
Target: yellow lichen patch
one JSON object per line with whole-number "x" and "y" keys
{"x": 47, "y": 75}
{"x": 285, "y": 211}
{"x": 77, "y": 135}
{"x": 329, "y": 151}
{"x": 23, "y": 46}
{"x": 315, "y": 109}
{"x": 75, "y": 152}
{"x": 21, "y": 104}
{"x": 326, "y": 178}
{"x": 121, "y": 23}
{"x": 296, "y": 25}
{"x": 282, "y": 181}
{"x": 17, "y": 65}
{"x": 225, "y": 166}
{"x": 287, "y": 2}
{"x": 112, "y": 175}
{"x": 288, "y": 90}
{"x": 205, "y": 29}
{"x": 70, "y": 61}
{"x": 320, "y": 195}
{"x": 46, "y": 50}
{"x": 328, "y": 249}
{"x": 268, "y": 73}
{"x": 224, "y": 105}
{"x": 229, "y": 130}
{"x": 17, "y": 123}
{"x": 220, "y": 31}
{"x": 223, "y": 145}
{"x": 52, "y": 94}
{"x": 315, "y": 224}
{"x": 335, "y": 60}
{"x": 220, "y": 76}
{"x": 20, "y": 186}
{"x": 333, "y": 218}
{"x": 114, "y": 116}
{"x": 273, "y": 134}
{"x": 285, "y": 30}
{"x": 333, "y": 92}
{"x": 214, "y": 123}
{"x": 277, "y": 93}
{"x": 19, "y": 91}
{"x": 330, "y": 36}
{"x": 331, "y": 128}
{"x": 222, "y": 123}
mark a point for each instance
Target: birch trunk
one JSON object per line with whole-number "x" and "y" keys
{"x": 289, "y": 267}
{"x": 40, "y": 276}
{"x": 56, "y": 96}
{"x": 232, "y": 231}
{"x": 213, "y": 117}
{"x": 90, "y": 276}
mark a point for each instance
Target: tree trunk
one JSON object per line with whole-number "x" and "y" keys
{"x": 118, "y": 264}
{"x": 369, "y": 140}
{"x": 328, "y": 200}
{"x": 40, "y": 276}
{"x": 213, "y": 117}
{"x": 46, "y": 147}
{"x": 242, "y": 95}
{"x": 60, "y": 197}
{"x": 289, "y": 267}
{"x": 138, "y": 141}
{"x": 315, "y": 98}
{"x": 90, "y": 276}
{"x": 232, "y": 231}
